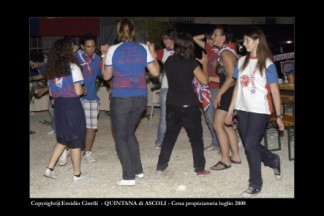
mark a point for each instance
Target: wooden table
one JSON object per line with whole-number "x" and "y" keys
{"x": 287, "y": 95}
{"x": 287, "y": 89}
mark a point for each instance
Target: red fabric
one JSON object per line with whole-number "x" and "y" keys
{"x": 231, "y": 45}
{"x": 159, "y": 54}
{"x": 56, "y": 26}
{"x": 202, "y": 92}
{"x": 212, "y": 60}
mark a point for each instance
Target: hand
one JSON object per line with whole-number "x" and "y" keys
{"x": 217, "y": 100}
{"x": 229, "y": 118}
{"x": 85, "y": 91}
{"x": 280, "y": 124}
{"x": 151, "y": 47}
{"x": 40, "y": 92}
{"x": 204, "y": 59}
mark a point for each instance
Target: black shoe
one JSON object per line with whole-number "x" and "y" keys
{"x": 278, "y": 169}
{"x": 250, "y": 192}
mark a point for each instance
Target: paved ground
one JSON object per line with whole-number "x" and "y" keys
{"x": 178, "y": 181}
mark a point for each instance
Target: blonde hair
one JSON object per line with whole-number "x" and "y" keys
{"x": 125, "y": 30}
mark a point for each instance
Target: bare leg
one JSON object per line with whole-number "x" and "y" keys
{"x": 57, "y": 151}
{"x": 90, "y": 137}
{"x": 223, "y": 140}
{"x": 76, "y": 160}
{"x": 233, "y": 141}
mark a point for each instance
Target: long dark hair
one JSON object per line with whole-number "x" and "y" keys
{"x": 59, "y": 59}
{"x": 184, "y": 47}
{"x": 263, "y": 52}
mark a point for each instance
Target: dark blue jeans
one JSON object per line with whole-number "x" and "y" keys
{"x": 162, "y": 122}
{"x": 209, "y": 115}
{"x": 251, "y": 129}
{"x": 190, "y": 118}
{"x": 125, "y": 113}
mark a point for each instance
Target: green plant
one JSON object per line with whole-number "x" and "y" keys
{"x": 156, "y": 84}
{"x": 45, "y": 122}
{"x": 36, "y": 85}
{"x": 151, "y": 29}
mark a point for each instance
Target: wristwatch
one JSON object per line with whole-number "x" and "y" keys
{"x": 279, "y": 116}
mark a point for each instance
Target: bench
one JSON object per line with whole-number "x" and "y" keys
{"x": 289, "y": 123}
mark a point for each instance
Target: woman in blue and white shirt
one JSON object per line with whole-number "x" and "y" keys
{"x": 256, "y": 77}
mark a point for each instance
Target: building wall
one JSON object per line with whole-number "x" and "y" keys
{"x": 215, "y": 20}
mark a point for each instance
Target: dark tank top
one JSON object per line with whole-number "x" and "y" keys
{"x": 220, "y": 70}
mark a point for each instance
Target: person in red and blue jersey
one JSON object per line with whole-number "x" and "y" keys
{"x": 91, "y": 69}
{"x": 65, "y": 86}
{"x": 126, "y": 63}
{"x": 37, "y": 63}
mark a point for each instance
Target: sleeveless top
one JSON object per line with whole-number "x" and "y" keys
{"x": 220, "y": 70}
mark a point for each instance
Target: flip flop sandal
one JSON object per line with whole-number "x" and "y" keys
{"x": 224, "y": 166}
{"x": 235, "y": 162}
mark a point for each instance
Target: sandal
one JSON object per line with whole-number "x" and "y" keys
{"x": 235, "y": 162}
{"x": 216, "y": 166}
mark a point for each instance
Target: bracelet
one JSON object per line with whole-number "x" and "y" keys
{"x": 279, "y": 116}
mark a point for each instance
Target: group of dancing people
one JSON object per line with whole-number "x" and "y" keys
{"x": 236, "y": 85}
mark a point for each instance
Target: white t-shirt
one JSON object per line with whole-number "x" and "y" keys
{"x": 253, "y": 93}
{"x": 166, "y": 54}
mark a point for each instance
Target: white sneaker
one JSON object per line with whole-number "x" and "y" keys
{"x": 158, "y": 146}
{"x": 81, "y": 177}
{"x": 51, "y": 132}
{"x": 63, "y": 159}
{"x": 49, "y": 174}
{"x": 141, "y": 175}
{"x": 87, "y": 156}
{"x": 125, "y": 182}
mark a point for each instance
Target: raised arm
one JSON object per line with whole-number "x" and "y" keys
{"x": 202, "y": 74}
{"x": 199, "y": 40}
{"x": 154, "y": 67}
{"x": 106, "y": 70}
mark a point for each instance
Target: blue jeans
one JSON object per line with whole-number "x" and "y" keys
{"x": 190, "y": 118}
{"x": 51, "y": 111}
{"x": 209, "y": 115}
{"x": 251, "y": 129}
{"x": 162, "y": 122}
{"x": 125, "y": 113}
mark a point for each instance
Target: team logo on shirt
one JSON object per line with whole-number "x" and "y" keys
{"x": 245, "y": 80}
